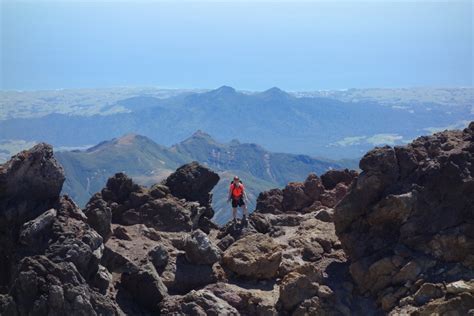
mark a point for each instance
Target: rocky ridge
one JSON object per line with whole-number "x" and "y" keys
{"x": 395, "y": 239}
{"x": 407, "y": 225}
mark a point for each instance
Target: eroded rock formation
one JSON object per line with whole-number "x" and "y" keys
{"x": 50, "y": 256}
{"x": 407, "y": 224}
{"x": 404, "y": 242}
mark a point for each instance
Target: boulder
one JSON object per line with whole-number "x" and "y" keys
{"x": 201, "y": 302}
{"x": 193, "y": 182}
{"x": 102, "y": 280}
{"x": 260, "y": 300}
{"x": 225, "y": 242}
{"x": 296, "y": 287}
{"x": 167, "y": 215}
{"x": 159, "y": 257}
{"x": 36, "y": 231}
{"x": 460, "y": 287}
{"x": 43, "y": 287}
{"x": 120, "y": 232}
{"x": 99, "y": 215}
{"x": 427, "y": 292}
{"x": 257, "y": 256}
{"x": 325, "y": 215}
{"x": 294, "y": 197}
{"x": 199, "y": 249}
{"x": 270, "y": 201}
{"x": 313, "y": 187}
{"x": 461, "y": 304}
{"x": 186, "y": 276}
{"x": 333, "y": 177}
{"x": 30, "y": 182}
{"x": 119, "y": 187}
{"x": 145, "y": 285}
{"x": 159, "y": 191}
{"x": 64, "y": 245}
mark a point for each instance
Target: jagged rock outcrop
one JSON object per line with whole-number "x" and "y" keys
{"x": 311, "y": 195}
{"x": 49, "y": 254}
{"x": 333, "y": 177}
{"x": 193, "y": 182}
{"x": 404, "y": 242}
{"x": 99, "y": 216}
{"x": 44, "y": 287}
{"x": 256, "y": 256}
{"x": 165, "y": 208}
{"x": 407, "y": 224}
{"x": 156, "y": 235}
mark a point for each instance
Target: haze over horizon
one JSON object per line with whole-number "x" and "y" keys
{"x": 312, "y": 45}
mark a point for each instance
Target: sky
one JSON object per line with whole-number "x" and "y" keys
{"x": 307, "y": 45}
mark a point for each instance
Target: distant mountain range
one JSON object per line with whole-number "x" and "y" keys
{"x": 148, "y": 163}
{"x": 335, "y": 125}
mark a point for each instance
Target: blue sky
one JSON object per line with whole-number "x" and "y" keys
{"x": 306, "y": 45}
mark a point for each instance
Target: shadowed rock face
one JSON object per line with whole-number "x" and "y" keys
{"x": 409, "y": 219}
{"x": 30, "y": 183}
{"x": 193, "y": 182}
{"x": 50, "y": 256}
{"x": 404, "y": 241}
{"x": 124, "y": 202}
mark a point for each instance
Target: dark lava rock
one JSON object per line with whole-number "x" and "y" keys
{"x": 99, "y": 215}
{"x": 270, "y": 201}
{"x": 332, "y": 177}
{"x": 410, "y": 216}
{"x": 193, "y": 182}
{"x": 200, "y": 250}
{"x": 145, "y": 286}
{"x": 49, "y": 254}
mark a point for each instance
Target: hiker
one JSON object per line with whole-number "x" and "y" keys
{"x": 237, "y": 195}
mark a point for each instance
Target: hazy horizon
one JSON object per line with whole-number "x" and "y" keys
{"x": 303, "y": 46}
{"x": 157, "y": 87}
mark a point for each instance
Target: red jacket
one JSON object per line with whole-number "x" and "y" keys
{"x": 236, "y": 191}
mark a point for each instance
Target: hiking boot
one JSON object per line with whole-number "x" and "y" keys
{"x": 244, "y": 219}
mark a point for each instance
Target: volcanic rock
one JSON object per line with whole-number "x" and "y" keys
{"x": 145, "y": 286}
{"x": 308, "y": 196}
{"x": 332, "y": 177}
{"x": 256, "y": 256}
{"x": 200, "y": 250}
{"x": 409, "y": 217}
{"x": 201, "y": 302}
{"x": 270, "y": 201}
{"x": 193, "y": 182}
{"x": 99, "y": 215}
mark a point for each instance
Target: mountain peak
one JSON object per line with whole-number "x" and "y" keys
{"x": 199, "y": 137}
{"x": 274, "y": 92}
{"x": 223, "y": 91}
{"x": 201, "y": 134}
{"x": 125, "y": 140}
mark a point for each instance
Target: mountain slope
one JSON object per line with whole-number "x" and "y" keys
{"x": 279, "y": 168}
{"x": 148, "y": 163}
{"x": 317, "y": 125}
{"x": 88, "y": 170}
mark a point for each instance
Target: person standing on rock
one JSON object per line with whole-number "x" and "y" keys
{"x": 238, "y": 196}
